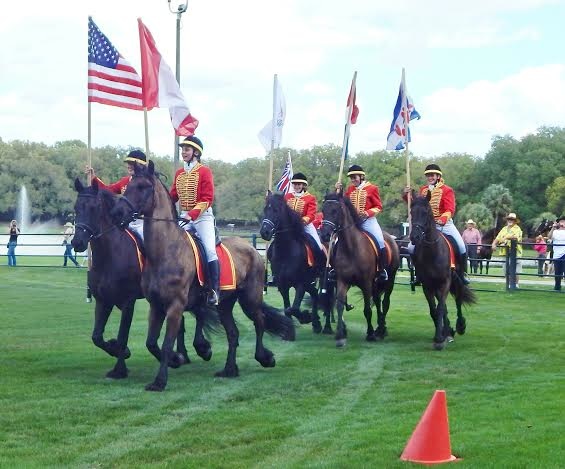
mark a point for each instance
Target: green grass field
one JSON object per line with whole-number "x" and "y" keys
{"x": 319, "y": 407}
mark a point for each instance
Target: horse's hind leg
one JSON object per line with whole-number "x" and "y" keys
{"x": 156, "y": 319}
{"x": 225, "y": 308}
{"x": 316, "y": 324}
{"x": 181, "y": 357}
{"x": 437, "y": 316}
{"x": 368, "y": 313}
{"x": 174, "y": 317}
{"x": 120, "y": 370}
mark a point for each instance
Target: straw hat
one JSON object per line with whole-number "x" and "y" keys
{"x": 69, "y": 224}
{"x": 511, "y": 216}
{"x": 470, "y": 222}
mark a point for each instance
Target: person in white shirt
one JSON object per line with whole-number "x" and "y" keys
{"x": 557, "y": 236}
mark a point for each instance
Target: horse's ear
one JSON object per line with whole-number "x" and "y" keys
{"x": 151, "y": 168}
{"x": 429, "y": 196}
{"x": 79, "y": 187}
{"x": 269, "y": 193}
{"x": 95, "y": 186}
{"x": 413, "y": 194}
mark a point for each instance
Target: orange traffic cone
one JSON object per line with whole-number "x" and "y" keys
{"x": 429, "y": 444}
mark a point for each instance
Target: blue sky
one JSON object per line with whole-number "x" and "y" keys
{"x": 473, "y": 71}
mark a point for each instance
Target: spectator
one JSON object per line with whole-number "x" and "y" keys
{"x": 472, "y": 238}
{"x": 504, "y": 237}
{"x": 67, "y": 237}
{"x": 12, "y": 243}
{"x": 541, "y": 248}
{"x": 557, "y": 236}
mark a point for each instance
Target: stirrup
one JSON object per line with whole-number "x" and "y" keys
{"x": 383, "y": 275}
{"x": 213, "y": 298}
{"x": 465, "y": 279}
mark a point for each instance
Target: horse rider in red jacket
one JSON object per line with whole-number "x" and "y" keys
{"x": 193, "y": 187}
{"x": 135, "y": 157}
{"x": 442, "y": 202}
{"x": 366, "y": 199}
{"x": 304, "y": 203}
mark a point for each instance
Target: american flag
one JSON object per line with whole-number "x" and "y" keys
{"x": 111, "y": 78}
{"x": 284, "y": 183}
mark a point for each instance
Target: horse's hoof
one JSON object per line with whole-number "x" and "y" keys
{"x": 304, "y": 317}
{"x": 155, "y": 387}
{"x": 114, "y": 351}
{"x": 371, "y": 337}
{"x": 205, "y": 354}
{"x": 117, "y": 374}
{"x": 228, "y": 373}
{"x": 449, "y": 339}
{"x": 316, "y": 327}
{"x": 340, "y": 343}
{"x": 327, "y": 330}
{"x": 177, "y": 360}
{"x": 461, "y": 325}
{"x": 267, "y": 360}
{"x": 439, "y": 345}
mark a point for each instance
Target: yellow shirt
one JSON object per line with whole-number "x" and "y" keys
{"x": 503, "y": 239}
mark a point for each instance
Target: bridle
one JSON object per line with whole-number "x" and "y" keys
{"x": 86, "y": 228}
{"x": 424, "y": 232}
{"x": 335, "y": 227}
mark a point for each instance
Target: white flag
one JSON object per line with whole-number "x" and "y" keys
{"x": 266, "y": 135}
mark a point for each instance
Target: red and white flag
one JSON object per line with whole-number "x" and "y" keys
{"x": 160, "y": 87}
{"x": 111, "y": 78}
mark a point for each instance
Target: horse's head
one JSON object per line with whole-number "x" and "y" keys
{"x": 422, "y": 218}
{"x": 138, "y": 198}
{"x": 87, "y": 215}
{"x": 543, "y": 227}
{"x": 273, "y": 215}
{"x": 332, "y": 209}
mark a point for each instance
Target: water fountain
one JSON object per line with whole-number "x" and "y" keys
{"x": 23, "y": 212}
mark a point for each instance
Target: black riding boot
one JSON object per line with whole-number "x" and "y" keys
{"x": 214, "y": 282}
{"x": 463, "y": 269}
{"x": 320, "y": 260}
{"x": 382, "y": 275}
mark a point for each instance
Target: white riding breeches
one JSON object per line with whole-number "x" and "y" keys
{"x": 137, "y": 227}
{"x": 372, "y": 226}
{"x": 449, "y": 229}
{"x": 309, "y": 229}
{"x": 205, "y": 226}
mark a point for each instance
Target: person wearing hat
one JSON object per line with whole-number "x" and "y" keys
{"x": 472, "y": 238}
{"x": 67, "y": 236}
{"x": 366, "y": 199}
{"x": 442, "y": 202}
{"x": 503, "y": 239}
{"x": 557, "y": 236}
{"x": 305, "y": 205}
{"x": 135, "y": 157}
{"x": 193, "y": 188}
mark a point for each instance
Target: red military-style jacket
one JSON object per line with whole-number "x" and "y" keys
{"x": 118, "y": 187}
{"x": 305, "y": 205}
{"x": 366, "y": 200}
{"x": 193, "y": 189}
{"x": 442, "y": 201}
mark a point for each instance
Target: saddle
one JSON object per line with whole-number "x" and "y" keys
{"x": 452, "y": 245}
{"x": 227, "y": 266}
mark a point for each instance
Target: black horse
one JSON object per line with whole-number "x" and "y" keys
{"x": 355, "y": 263}
{"x": 115, "y": 277}
{"x": 289, "y": 264}
{"x": 431, "y": 259}
{"x": 485, "y": 253}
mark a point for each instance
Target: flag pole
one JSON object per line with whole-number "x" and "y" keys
{"x": 88, "y": 182}
{"x": 347, "y": 127}
{"x": 273, "y": 126}
{"x": 406, "y": 118}
{"x": 146, "y": 124}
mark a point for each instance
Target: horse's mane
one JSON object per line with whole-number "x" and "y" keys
{"x": 352, "y": 212}
{"x": 295, "y": 222}
{"x": 144, "y": 171}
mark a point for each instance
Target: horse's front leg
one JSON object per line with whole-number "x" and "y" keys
{"x": 200, "y": 343}
{"x": 313, "y": 292}
{"x": 174, "y": 317}
{"x": 304, "y": 317}
{"x": 120, "y": 370}
{"x": 436, "y": 315}
{"x": 156, "y": 318}
{"x": 101, "y": 314}
{"x": 382, "y": 309}
{"x": 341, "y": 329}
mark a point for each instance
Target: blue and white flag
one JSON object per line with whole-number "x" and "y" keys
{"x": 404, "y": 112}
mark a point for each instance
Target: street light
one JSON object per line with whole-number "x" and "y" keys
{"x": 181, "y": 8}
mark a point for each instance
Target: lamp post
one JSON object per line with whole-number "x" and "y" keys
{"x": 181, "y": 8}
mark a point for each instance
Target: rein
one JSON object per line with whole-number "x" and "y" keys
{"x": 424, "y": 240}
{"x": 88, "y": 229}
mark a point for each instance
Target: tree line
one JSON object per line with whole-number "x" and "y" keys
{"x": 526, "y": 176}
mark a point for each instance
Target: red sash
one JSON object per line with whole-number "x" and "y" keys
{"x": 140, "y": 258}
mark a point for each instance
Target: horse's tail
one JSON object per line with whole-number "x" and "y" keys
{"x": 209, "y": 318}
{"x": 459, "y": 290}
{"x": 276, "y": 323}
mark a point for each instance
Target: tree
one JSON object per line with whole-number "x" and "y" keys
{"x": 479, "y": 213}
{"x": 555, "y": 195}
{"x": 498, "y": 200}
